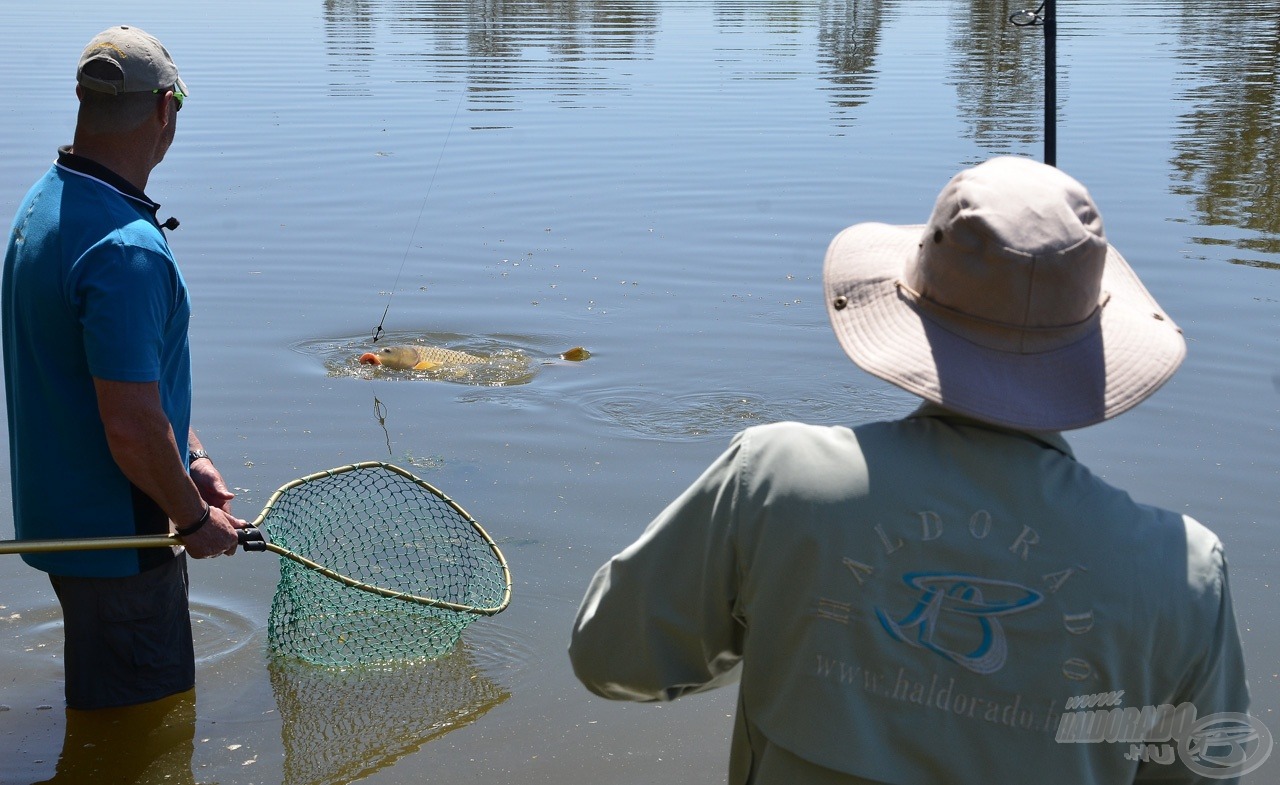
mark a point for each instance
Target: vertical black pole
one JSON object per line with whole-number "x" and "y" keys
{"x": 1050, "y": 82}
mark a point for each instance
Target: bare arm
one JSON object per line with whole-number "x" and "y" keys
{"x": 143, "y": 445}
{"x": 213, "y": 489}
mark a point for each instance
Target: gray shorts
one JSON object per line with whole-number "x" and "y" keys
{"x": 128, "y": 640}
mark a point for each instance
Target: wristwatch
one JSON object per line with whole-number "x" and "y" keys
{"x": 195, "y": 455}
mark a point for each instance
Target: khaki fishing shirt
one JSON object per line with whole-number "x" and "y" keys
{"x": 930, "y": 600}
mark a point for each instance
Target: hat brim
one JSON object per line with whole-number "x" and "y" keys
{"x": 1133, "y": 349}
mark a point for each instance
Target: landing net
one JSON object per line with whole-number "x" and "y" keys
{"x": 402, "y": 568}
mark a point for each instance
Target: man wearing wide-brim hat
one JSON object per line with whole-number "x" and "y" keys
{"x": 951, "y": 597}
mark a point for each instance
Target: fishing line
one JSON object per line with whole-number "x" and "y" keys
{"x": 379, "y": 409}
{"x": 377, "y": 331}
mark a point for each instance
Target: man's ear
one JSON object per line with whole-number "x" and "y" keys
{"x": 163, "y": 107}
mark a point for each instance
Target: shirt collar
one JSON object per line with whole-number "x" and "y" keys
{"x": 1050, "y": 439}
{"x": 95, "y": 171}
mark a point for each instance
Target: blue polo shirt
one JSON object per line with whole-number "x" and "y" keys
{"x": 90, "y": 290}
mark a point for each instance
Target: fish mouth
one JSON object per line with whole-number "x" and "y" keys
{"x": 369, "y": 358}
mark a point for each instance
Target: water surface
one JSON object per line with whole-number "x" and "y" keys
{"x": 655, "y": 181}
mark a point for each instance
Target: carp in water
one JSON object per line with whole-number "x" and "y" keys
{"x": 418, "y": 358}
{"x": 425, "y": 358}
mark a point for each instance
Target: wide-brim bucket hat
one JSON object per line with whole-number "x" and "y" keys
{"x": 1008, "y": 306}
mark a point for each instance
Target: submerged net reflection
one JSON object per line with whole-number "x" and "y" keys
{"x": 342, "y": 725}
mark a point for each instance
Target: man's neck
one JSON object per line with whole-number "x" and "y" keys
{"x": 116, "y": 155}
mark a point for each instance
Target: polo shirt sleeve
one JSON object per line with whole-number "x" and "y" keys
{"x": 658, "y": 620}
{"x": 123, "y": 296}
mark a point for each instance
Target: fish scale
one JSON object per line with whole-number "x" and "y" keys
{"x": 419, "y": 358}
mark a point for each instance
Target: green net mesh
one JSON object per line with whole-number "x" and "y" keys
{"x": 386, "y": 529}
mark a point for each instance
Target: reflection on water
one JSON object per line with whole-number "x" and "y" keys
{"x": 341, "y": 725}
{"x": 998, "y": 72}
{"x": 848, "y": 38}
{"x": 497, "y": 48}
{"x": 502, "y": 50}
{"x": 421, "y": 462}
{"x": 136, "y": 745}
{"x": 350, "y": 42}
{"x": 1228, "y": 146}
{"x": 506, "y": 52}
{"x": 847, "y": 42}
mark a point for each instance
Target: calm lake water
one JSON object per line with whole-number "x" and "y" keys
{"x": 655, "y": 181}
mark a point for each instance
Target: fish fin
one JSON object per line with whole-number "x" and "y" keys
{"x": 425, "y": 365}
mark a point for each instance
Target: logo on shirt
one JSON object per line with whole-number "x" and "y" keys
{"x": 957, "y": 616}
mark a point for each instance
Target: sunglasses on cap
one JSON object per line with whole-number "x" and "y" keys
{"x": 178, "y": 96}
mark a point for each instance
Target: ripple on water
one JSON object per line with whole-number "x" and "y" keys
{"x": 704, "y": 414}
{"x": 219, "y": 632}
{"x": 38, "y": 640}
{"x": 35, "y": 640}
{"x": 496, "y": 648}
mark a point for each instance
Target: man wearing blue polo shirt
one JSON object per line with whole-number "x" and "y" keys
{"x": 98, "y": 384}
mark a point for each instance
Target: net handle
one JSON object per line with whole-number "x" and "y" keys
{"x": 254, "y": 538}
{"x": 90, "y": 543}
{"x": 250, "y": 538}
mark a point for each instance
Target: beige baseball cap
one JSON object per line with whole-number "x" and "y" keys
{"x": 140, "y": 60}
{"x": 1009, "y": 305}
